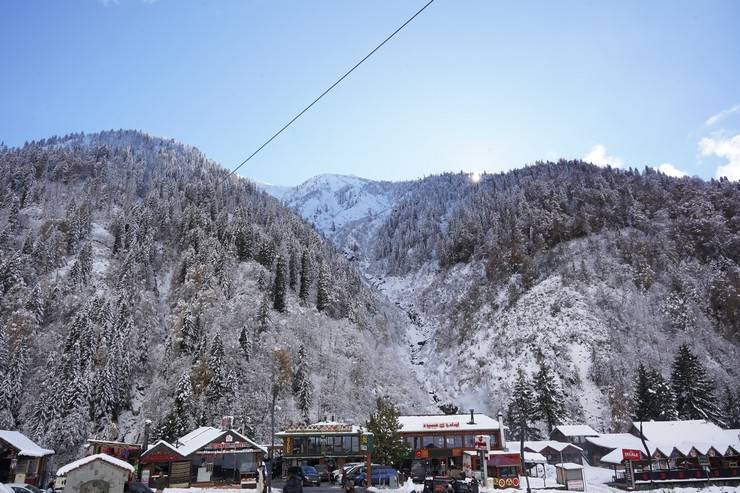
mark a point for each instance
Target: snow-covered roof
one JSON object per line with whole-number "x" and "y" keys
{"x": 569, "y": 466}
{"x": 616, "y": 441}
{"x": 540, "y": 445}
{"x": 200, "y": 437}
{"x": 576, "y": 430}
{"x": 446, "y": 422}
{"x": 531, "y": 457}
{"x": 25, "y": 445}
{"x": 64, "y": 470}
{"x": 616, "y": 457}
{"x": 325, "y": 428}
{"x": 158, "y": 443}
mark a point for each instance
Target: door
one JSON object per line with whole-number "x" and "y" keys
{"x": 96, "y": 486}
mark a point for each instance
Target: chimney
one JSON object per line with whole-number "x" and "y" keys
{"x": 332, "y": 418}
{"x": 501, "y": 429}
{"x": 472, "y": 417}
{"x": 227, "y": 422}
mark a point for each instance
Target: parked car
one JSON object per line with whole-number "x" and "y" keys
{"x": 308, "y": 474}
{"x": 336, "y": 474}
{"x": 323, "y": 471}
{"x": 379, "y": 475}
{"x": 136, "y": 487}
{"x": 354, "y": 471}
{"x": 23, "y": 488}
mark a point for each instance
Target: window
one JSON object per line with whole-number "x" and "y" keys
{"x": 410, "y": 442}
{"x": 454, "y": 441}
{"x": 355, "y": 444}
{"x": 469, "y": 441}
{"x": 428, "y": 442}
{"x": 492, "y": 440}
{"x": 439, "y": 442}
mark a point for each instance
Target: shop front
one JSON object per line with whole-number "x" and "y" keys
{"x": 162, "y": 465}
{"x": 326, "y": 442}
{"x": 22, "y": 460}
{"x": 438, "y": 442}
{"x": 504, "y": 468}
{"x": 221, "y": 456}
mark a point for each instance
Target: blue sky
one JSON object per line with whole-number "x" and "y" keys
{"x": 470, "y": 85}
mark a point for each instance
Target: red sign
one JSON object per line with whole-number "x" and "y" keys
{"x": 630, "y": 454}
{"x": 441, "y": 426}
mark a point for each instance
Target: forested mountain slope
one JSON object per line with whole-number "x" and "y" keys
{"x": 139, "y": 283}
{"x": 589, "y": 269}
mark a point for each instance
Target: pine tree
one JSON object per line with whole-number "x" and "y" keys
{"x": 522, "y": 411}
{"x": 192, "y": 334}
{"x": 302, "y": 386}
{"x": 323, "y": 293}
{"x": 293, "y": 270}
{"x": 278, "y": 288}
{"x": 694, "y": 390}
{"x": 219, "y": 383}
{"x": 305, "y": 277}
{"x": 390, "y": 447}
{"x": 653, "y": 397}
{"x": 263, "y": 314}
{"x": 550, "y": 399}
{"x": 245, "y": 343}
{"x": 731, "y": 408}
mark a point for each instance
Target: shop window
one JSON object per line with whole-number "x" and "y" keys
{"x": 454, "y": 441}
{"x": 469, "y": 441}
{"x": 410, "y": 442}
{"x": 493, "y": 440}
{"x": 428, "y": 442}
{"x": 439, "y": 442}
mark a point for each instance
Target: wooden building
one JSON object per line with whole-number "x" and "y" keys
{"x": 556, "y": 452}
{"x": 22, "y": 460}
{"x": 206, "y": 456}
{"x": 127, "y": 452}
{"x": 95, "y": 473}
{"x": 575, "y": 434}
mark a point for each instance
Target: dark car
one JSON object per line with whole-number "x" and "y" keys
{"x": 323, "y": 471}
{"x": 136, "y": 487}
{"x": 308, "y": 474}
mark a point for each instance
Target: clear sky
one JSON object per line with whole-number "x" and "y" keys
{"x": 469, "y": 85}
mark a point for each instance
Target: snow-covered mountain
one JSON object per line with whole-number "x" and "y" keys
{"x": 345, "y": 209}
{"x": 137, "y": 283}
{"x": 588, "y": 269}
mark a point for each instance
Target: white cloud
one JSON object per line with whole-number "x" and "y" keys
{"x": 598, "y": 156}
{"x": 670, "y": 170}
{"x": 725, "y": 148}
{"x": 721, "y": 115}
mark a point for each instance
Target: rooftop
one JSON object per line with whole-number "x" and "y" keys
{"x": 64, "y": 470}
{"x": 446, "y": 422}
{"x": 23, "y": 444}
{"x": 577, "y": 430}
{"x": 200, "y": 437}
{"x": 540, "y": 445}
{"x": 324, "y": 428}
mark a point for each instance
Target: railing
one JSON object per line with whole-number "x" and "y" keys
{"x": 680, "y": 475}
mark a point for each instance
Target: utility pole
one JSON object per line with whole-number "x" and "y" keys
{"x": 272, "y": 436}
{"x": 521, "y": 451}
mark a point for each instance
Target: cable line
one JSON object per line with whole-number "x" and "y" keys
{"x": 328, "y": 90}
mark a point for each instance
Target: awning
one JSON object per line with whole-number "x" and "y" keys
{"x": 504, "y": 460}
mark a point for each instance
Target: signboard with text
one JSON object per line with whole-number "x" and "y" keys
{"x": 630, "y": 454}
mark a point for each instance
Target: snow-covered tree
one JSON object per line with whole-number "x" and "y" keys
{"x": 653, "y": 397}
{"x": 278, "y": 287}
{"x": 550, "y": 399}
{"x": 305, "y": 277}
{"x": 390, "y": 447}
{"x": 522, "y": 411}
{"x": 693, "y": 388}
{"x": 302, "y": 386}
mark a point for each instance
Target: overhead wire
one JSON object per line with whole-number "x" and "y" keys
{"x": 327, "y": 91}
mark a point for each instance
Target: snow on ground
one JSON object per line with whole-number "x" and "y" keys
{"x": 596, "y": 477}
{"x": 212, "y": 490}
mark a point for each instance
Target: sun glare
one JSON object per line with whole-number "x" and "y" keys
{"x": 475, "y": 177}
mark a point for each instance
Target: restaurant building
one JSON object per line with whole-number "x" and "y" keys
{"x": 22, "y": 460}
{"x": 327, "y": 442}
{"x": 127, "y": 452}
{"x": 206, "y": 456}
{"x": 438, "y": 441}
